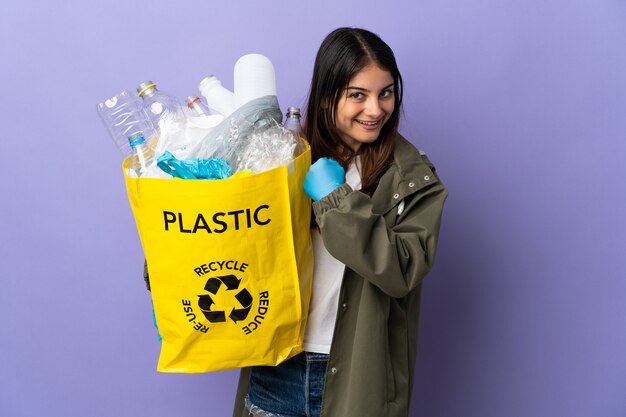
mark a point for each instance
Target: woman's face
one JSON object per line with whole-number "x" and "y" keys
{"x": 365, "y": 106}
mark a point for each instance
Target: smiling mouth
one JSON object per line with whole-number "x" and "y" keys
{"x": 369, "y": 123}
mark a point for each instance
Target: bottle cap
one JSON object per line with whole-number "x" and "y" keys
{"x": 146, "y": 88}
{"x": 293, "y": 111}
{"x": 136, "y": 139}
{"x": 191, "y": 100}
{"x": 207, "y": 80}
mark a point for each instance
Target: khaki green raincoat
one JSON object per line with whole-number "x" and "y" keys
{"x": 388, "y": 248}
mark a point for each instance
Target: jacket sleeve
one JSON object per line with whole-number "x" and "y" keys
{"x": 396, "y": 257}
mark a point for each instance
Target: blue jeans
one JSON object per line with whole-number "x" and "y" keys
{"x": 292, "y": 389}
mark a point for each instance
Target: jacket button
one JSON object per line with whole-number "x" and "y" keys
{"x": 396, "y": 196}
{"x": 411, "y": 184}
{"x": 426, "y": 177}
{"x": 344, "y": 305}
{"x": 333, "y": 370}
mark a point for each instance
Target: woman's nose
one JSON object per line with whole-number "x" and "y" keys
{"x": 373, "y": 108}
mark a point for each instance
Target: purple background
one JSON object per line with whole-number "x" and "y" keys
{"x": 521, "y": 105}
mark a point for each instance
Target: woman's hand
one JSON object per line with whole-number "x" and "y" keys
{"x": 323, "y": 177}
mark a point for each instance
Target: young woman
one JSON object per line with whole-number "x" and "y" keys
{"x": 377, "y": 203}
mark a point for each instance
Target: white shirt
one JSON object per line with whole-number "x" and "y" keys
{"x": 327, "y": 277}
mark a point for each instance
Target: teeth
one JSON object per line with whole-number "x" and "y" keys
{"x": 368, "y": 123}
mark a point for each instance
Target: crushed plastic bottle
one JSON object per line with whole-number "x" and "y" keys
{"x": 123, "y": 116}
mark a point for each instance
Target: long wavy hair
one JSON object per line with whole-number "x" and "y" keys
{"x": 342, "y": 54}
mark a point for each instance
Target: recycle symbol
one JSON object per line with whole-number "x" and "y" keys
{"x": 205, "y": 302}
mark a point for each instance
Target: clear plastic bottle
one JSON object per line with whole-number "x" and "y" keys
{"x": 142, "y": 156}
{"x": 123, "y": 116}
{"x": 200, "y": 116}
{"x": 196, "y": 107}
{"x": 158, "y": 105}
{"x": 292, "y": 122}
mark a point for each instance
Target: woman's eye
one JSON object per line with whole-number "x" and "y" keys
{"x": 386, "y": 93}
{"x": 356, "y": 96}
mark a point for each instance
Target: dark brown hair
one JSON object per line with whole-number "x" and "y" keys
{"x": 343, "y": 53}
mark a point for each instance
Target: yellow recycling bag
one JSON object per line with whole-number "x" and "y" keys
{"x": 230, "y": 265}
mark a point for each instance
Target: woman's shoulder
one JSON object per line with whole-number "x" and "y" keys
{"x": 410, "y": 172}
{"x": 407, "y": 155}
